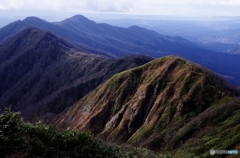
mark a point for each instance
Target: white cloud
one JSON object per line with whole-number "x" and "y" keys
{"x": 2, "y": 7}
{"x": 181, "y": 2}
{"x": 165, "y": 7}
{"x": 110, "y": 5}
{"x": 44, "y": 5}
{"x": 68, "y": 5}
{"x": 189, "y": 7}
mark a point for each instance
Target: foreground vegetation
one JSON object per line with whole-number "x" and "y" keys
{"x": 20, "y": 139}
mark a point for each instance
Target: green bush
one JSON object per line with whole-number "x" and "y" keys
{"x": 20, "y": 139}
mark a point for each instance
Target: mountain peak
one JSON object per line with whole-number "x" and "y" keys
{"x": 32, "y": 19}
{"x": 153, "y": 103}
{"x": 79, "y": 19}
{"x": 31, "y": 39}
{"x": 79, "y": 16}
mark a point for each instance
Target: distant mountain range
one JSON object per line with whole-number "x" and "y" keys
{"x": 168, "y": 104}
{"x": 221, "y": 34}
{"x": 116, "y": 42}
{"x": 42, "y": 74}
{"x": 103, "y": 38}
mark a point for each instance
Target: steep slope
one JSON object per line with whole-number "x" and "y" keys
{"x": 166, "y": 104}
{"x": 37, "y": 66}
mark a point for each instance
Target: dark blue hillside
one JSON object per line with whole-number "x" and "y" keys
{"x": 116, "y": 42}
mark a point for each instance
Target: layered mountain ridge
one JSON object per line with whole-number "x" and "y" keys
{"x": 115, "y": 42}
{"x": 166, "y": 104}
{"x": 37, "y": 67}
{"x": 103, "y": 38}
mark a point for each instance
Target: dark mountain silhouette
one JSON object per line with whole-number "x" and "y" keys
{"x": 115, "y": 41}
{"x": 41, "y": 74}
{"x": 167, "y": 104}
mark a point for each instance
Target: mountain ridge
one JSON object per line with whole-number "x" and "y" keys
{"x": 36, "y": 66}
{"x": 115, "y": 42}
{"x": 161, "y": 105}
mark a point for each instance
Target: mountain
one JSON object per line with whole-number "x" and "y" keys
{"x": 217, "y": 34}
{"x": 168, "y": 104}
{"x": 103, "y": 38}
{"x": 100, "y": 38}
{"x": 42, "y": 74}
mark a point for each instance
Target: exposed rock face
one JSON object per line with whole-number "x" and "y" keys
{"x": 161, "y": 105}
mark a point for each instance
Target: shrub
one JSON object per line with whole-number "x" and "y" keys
{"x": 20, "y": 139}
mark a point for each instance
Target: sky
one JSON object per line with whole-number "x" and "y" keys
{"x": 13, "y": 8}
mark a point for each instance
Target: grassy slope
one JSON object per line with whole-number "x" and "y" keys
{"x": 167, "y": 104}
